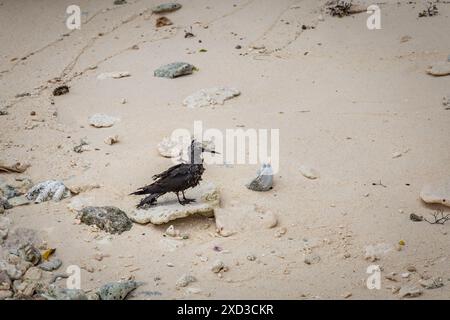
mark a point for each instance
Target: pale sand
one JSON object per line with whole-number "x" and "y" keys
{"x": 367, "y": 94}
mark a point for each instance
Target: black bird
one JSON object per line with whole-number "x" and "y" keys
{"x": 177, "y": 178}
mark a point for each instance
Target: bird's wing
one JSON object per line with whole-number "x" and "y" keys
{"x": 172, "y": 171}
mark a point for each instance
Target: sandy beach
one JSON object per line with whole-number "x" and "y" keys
{"x": 354, "y": 104}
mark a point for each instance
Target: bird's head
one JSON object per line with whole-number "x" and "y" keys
{"x": 196, "y": 149}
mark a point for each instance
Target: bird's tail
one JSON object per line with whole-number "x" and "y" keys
{"x": 149, "y": 200}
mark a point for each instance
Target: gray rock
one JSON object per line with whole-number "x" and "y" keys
{"x": 439, "y": 69}
{"x": 432, "y": 283}
{"x": 185, "y": 280}
{"x": 3, "y": 111}
{"x": 166, "y": 7}
{"x": 51, "y": 265}
{"x": 5, "y": 281}
{"x": 409, "y": 291}
{"x": 5, "y": 223}
{"x": 173, "y": 70}
{"x": 8, "y": 191}
{"x": 210, "y": 96}
{"x": 117, "y": 290}
{"x": 56, "y": 293}
{"x": 438, "y": 192}
{"x": 50, "y": 189}
{"x": 263, "y": 180}
{"x": 19, "y": 201}
{"x": 5, "y": 294}
{"x": 110, "y": 219}
{"x": 207, "y": 198}
{"x": 119, "y": 2}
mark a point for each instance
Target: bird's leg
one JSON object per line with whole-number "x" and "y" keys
{"x": 186, "y": 200}
{"x": 178, "y": 197}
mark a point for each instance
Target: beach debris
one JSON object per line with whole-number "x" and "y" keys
{"x": 59, "y": 91}
{"x": 340, "y": 8}
{"x": 109, "y": 219}
{"x": 219, "y": 266}
{"x": 439, "y": 69}
{"x": 309, "y": 172}
{"x": 110, "y": 140}
{"x": 28, "y": 252}
{"x": 210, "y": 96}
{"x": 432, "y": 283}
{"x": 263, "y": 180}
{"x": 50, "y": 189}
{"x": 82, "y": 146}
{"x": 50, "y": 265}
{"x": 446, "y": 101}
{"x": 189, "y": 34}
{"x": 113, "y": 75}
{"x": 119, "y": 2}
{"x": 56, "y": 293}
{"x": 430, "y": 11}
{"x": 170, "y": 148}
{"x": 166, "y": 7}
{"x": 170, "y": 231}
{"x": 251, "y": 257}
{"x": 409, "y": 291}
{"x": 163, "y": 21}
{"x": 117, "y": 290}
{"x": 100, "y": 120}
{"x": 16, "y": 167}
{"x": 48, "y": 253}
{"x": 439, "y": 217}
{"x": 185, "y": 280}
{"x": 437, "y": 192}
{"x": 173, "y": 70}
{"x": 375, "y": 252}
{"x": 416, "y": 218}
{"x": 207, "y": 198}
{"x": 3, "y": 111}
{"x": 311, "y": 258}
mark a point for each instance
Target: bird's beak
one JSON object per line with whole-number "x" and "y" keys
{"x": 210, "y": 151}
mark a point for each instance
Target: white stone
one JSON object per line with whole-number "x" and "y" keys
{"x": 167, "y": 208}
{"x": 100, "y": 120}
{"x": 112, "y": 139}
{"x": 218, "y": 266}
{"x": 438, "y": 192}
{"x": 210, "y": 96}
{"x": 113, "y": 75}
{"x": 170, "y": 148}
{"x": 439, "y": 69}
{"x": 309, "y": 173}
